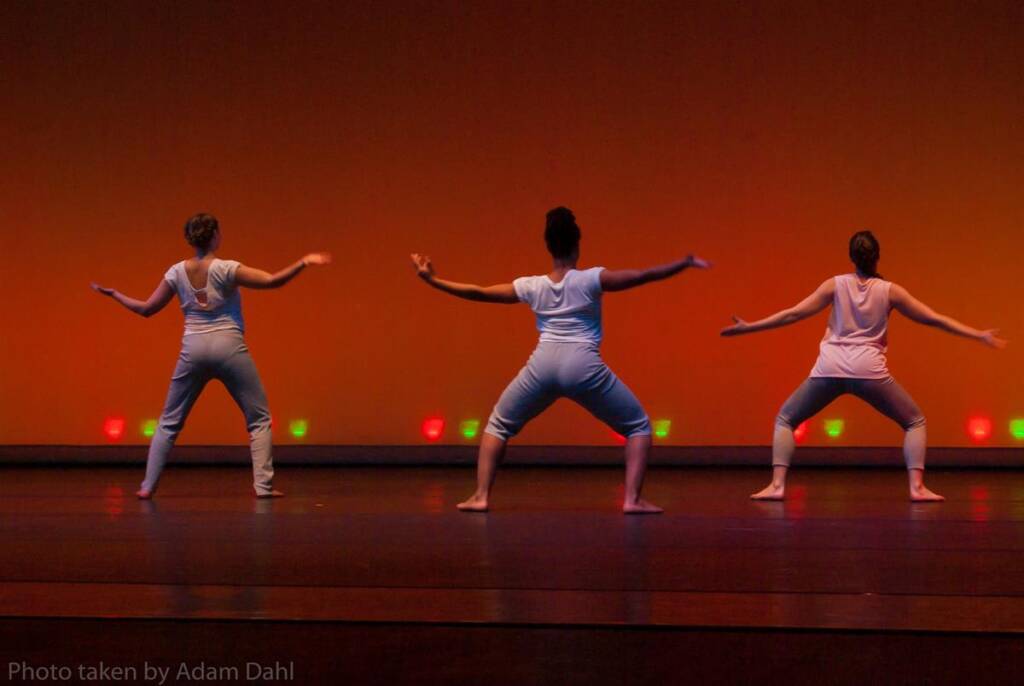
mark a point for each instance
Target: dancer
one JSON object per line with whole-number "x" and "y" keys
{"x": 566, "y": 362}
{"x": 852, "y": 360}
{"x": 213, "y": 345}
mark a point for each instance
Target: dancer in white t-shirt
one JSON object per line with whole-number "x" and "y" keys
{"x": 213, "y": 345}
{"x": 567, "y": 362}
{"x": 852, "y": 360}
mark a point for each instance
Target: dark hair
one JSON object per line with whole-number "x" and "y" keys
{"x": 561, "y": 232}
{"x": 200, "y": 229}
{"x": 864, "y": 252}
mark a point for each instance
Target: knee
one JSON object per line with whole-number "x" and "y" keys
{"x": 639, "y": 427}
{"x": 261, "y": 422}
{"x": 501, "y": 428}
{"x": 171, "y": 425}
{"x": 917, "y": 422}
{"x": 783, "y": 421}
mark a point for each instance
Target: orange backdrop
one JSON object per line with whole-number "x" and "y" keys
{"x": 758, "y": 134}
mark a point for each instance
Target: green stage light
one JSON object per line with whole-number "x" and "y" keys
{"x": 469, "y": 429}
{"x": 298, "y": 428}
{"x": 149, "y": 428}
{"x": 662, "y": 428}
{"x": 1017, "y": 429}
{"x": 834, "y": 427}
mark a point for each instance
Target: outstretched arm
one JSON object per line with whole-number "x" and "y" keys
{"x": 621, "y": 279}
{"x": 257, "y": 278}
{"x": 913, "y": 309}
{"x": 809, "y": 306}
{"x": 156, "y": 302}
{"x": 502, "y": 293}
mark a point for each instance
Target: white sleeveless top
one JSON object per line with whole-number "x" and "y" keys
{"x": 215, "y": 307}
{"x": 856, "y": 339}
{"x": 568, "y": 311}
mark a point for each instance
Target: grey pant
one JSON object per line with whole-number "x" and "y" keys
{"x": 220, "y": 355}
{"x": 567, "y": 370}
{"x": 885, "y": 395}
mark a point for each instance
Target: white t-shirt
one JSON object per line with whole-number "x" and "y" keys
{"x": 568, "y": 311}
{"x": 856, "y": 339}
{"x": 215, "y": 307}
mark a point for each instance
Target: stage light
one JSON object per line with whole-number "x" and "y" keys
{"x": 618, "y": 438}
{"x": 149, "y": 428}
{"x": 834, "y": 427}
{"x": 1017, "y": 429}
{"x": 979, "y": 429}
{"x": 433, "y": 428}
{"x": 469, "y": 428}
{"x": 113, "y": 428}
{"x": 662, "y": 427}
{"x": 298, "y": 428}
{"x": 800, "y": 432}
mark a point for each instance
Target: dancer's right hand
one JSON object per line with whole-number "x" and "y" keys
{"x": 317, "y": 259}
{"x": 698, "y": 262}
{"x": 739, "y": 327}
{"x": 424, "y": 268}
{"x": 101, "y": 290}
{"x": 991, "y": 338}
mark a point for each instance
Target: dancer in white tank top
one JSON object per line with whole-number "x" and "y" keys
{"x": 566, "y": 362}
{"x": 212, "y": 346}
{"x": 852, "y": 360}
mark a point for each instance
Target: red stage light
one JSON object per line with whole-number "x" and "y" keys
{"x": 800, "y": 432}
{"x": 433, "y": 428}
{"x": 618, "y": 438}
{"x": 113, "y": 428}
{"x": 979, "y": 429}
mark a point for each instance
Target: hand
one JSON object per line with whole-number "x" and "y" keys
{"x": 101, "y": 290}
{"x": 424, "y": 268}
{"x": 991, "y": 339}
{"x": 698, "y": 262}
{"x": 317, "y": 259}
{"x": 739, "y": 327}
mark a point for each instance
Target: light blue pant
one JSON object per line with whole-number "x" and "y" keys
{"x": 220, "y": 355}
{"x": 567, "y": 370}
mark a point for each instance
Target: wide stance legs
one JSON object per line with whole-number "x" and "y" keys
{"x": 885, "y": 395}
{"x": 492, "y": 452}
{"x": 220, "y": 355}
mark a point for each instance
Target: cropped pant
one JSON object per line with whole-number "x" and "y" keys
{"x": 220, "y": 355}
{"x": 567, "y": 370}
{"x": 885, "y": 395}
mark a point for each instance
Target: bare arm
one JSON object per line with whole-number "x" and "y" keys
{"x": 251, "y": 277}
{"x": 156, "y": 302}
{"x": 621, "y": 279}
{"x": 915, "y": 310}
{"x": 809, "y": 306}
{"x": 503, "y": 293}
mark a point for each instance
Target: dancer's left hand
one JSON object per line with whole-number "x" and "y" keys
{"x": 739, "y": 327}
{"x": 424, "y": 268}
{"x": 699, "y": 262}
{"x": 101, "y": 290}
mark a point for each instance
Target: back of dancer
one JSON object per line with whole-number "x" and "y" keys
{"x": 566, "y": 362}
{"x": 852, "y": 360}
{"x": 213, "y": 346}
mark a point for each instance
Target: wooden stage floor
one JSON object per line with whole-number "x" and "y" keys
{"x": 369, "y": 575}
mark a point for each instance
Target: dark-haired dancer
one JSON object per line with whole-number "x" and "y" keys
{"x": 213, "y": 346}
{"x": 852, "y": 360}
{"x": 566, "y": 362}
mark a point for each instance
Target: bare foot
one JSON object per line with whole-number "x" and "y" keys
{"x": 143, "y": 494}
{"x": 273, "y": 494}
{"x": 641, "y": 507}
{"x": 770, "y": 492}
{"x": 922, "y": 494}
{"x": 474, "y": 503}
